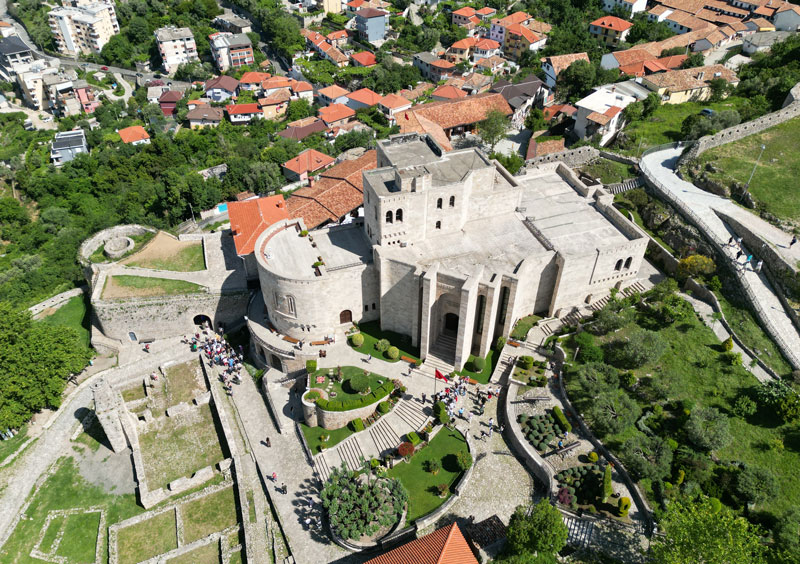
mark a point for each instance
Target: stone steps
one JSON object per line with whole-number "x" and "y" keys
{"x": 412, "y": 413}
{"x": 350, "y": 452}
{"x": 384, "y": 436}
{"x": 322, "y": 467}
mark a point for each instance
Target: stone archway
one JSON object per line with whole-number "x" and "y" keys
{"x": 202, "y": 321}
{"x": 345, "y": 316}
{"x": 275, "y": 362}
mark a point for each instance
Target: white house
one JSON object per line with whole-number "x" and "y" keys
{"x": 630, "y": 7}
{"x": 243, "y": 113}
{"x": 601, "y": 111}
{"x": 221, "y": 88}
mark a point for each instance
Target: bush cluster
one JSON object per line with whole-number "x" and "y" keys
{"x": 405, "y": 449}
{"x": 382, "y": 345}
{"x": 561, "y": 419}
{"x": 346, "y": 405}
{"x": 311, "y": 366}
{"x": 357, "y": 425}
{"x": 525, "y": 362}
{"x": 478, "y": 364}
{"x": 384, "y": 407}
{"x": 393, "y": 353}
{"x": 464, "y": 460}
{"x": 359, "y": 383}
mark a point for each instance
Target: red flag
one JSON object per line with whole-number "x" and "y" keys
{"x": 439, "y": 375}
{"x": 406, "y": 114}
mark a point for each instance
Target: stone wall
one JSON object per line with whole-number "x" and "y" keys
{"x": 90, "y": 245}
{"x": 571, "y": 157}
{"x": 532, "y": 459}
{"x": 56, "y": 301}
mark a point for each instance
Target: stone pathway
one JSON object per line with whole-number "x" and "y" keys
{"x": 658, "y": 166}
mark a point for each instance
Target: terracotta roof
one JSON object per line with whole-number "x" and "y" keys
{"x": 208, "y": 113}
{"x": 561, "y": 62}
{"x": 490, "y": 62}
{"x": 300, "y": 132}
{"x": 410, "y": 122}
{"x": 486, "y": 11}
{"x": 334, "y": 35}
{"x": 538, "y": 27}
{"x": 364, "y": 58}
{"x": 688, "y": 79}
{"x": 335, "y": 112}
{"x": 522, "y": 31}
{"x": 170, "y": 96}
{"x": 393, "y": 101}
{"x": 224, "y": 82}
{"x": 612, "y": 22}
{"x": 417, "y": 91}
{"x": 301, "y": 86}
{"x": 251, "y": 77}
{"x": 239, "y": 109}
{"x": 632, "y": 56}
{"x": 541, "y": 148}
{"x": 250, "y": 218}
{"x": 133, "y": 133}
{"x": 443, "y": 546}
{"x": 658, "y": 9}
{"x": 465, "y": 43}
{"x": 653, "y": 65}
{"x": 464, "y": 111}
{"x": 466, "y": 11}
{"x": 334, "y": 91}
{"x": 764, "y": 11}
{"x": 515, "y": 18}
{"x": 477, "y": 81}
{"x": 370, "y": 13}
{"x": 309, "y": 160}
{"x": 474, "y": 20}
{"x": 552, "y": 111}
{"x": 763, "y": 24}
{"x": 442, "y": 64}
{"x": 449, "y": 92}
{"x": 789, "y": 6}
{"x": 365, "y": 96}
{"x": 485, "y": 44}
{"x": 276, "y": 82}
{"x": 278, "y": 97}
{"x": 338, "y": 192}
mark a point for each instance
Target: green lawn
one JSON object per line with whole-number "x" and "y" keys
{"x": 79, "y": 543}
{"x": 372, "y": 334}
{"x": 73, "y": 314}
{"x": 181, "y": 383}
{"x": 188, "y": 259}
{"x": 146, "y": 286}
{"x": 774, "y": 183}
{"x": 314, "y": 436}
{"x": 11, "y": 445}
{"x": 608, "y": 171}
{"x": 206, "y": 554}
{"x": 50, "y": 535}
{"x": 147, "y": 539}
{"x": 521, "y": 328}
{"x": 64, "y": 489}
{"x": 342, "y": 389}
{"x": 483, "y": 376}
{"x": 208, "y": 514}
{"x": 421, "y": 485}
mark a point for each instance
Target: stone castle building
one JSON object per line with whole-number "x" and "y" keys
{"x": 451, "y": 251}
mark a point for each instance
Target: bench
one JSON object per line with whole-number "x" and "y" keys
{"x": 408, "y": 359}
{"x": 289, "y": 339}
{"x": 319, "y": 343}
{"x": 514, "y": 344}
{"x": 569, "y": 447}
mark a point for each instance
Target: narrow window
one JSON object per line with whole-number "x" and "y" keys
{"x": 438, "y": 225}
{"x": 618, "y": 266}
{"x": 628, "y": 262}
{"x": 452, "y": 201}
{"x": 290, "y": 302}
{"x": 439, "y": 204}
{"x": 389, "y": 216}
{"x": 398, "y": 216}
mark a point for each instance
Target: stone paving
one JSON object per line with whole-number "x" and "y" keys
{"x": 659, "y": 165}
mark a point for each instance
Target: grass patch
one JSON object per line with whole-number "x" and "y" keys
{"x": 206, "y": 554}
{"x": 187, "y": 259}
{"x": 135, "y": 393}
{"x": 774, "y": 183}
{"x": 314, "y": 435}
{"x": 372, "y": 334}
{"x": 208, "y": 514}
{"x": 147, "y": 539}
{"x": 73, "y": 314}
{"x": 625, "y": 206}
{"x": 484, "y": 375}
{"x": 236, "y": 557}
{"x": 51, "y": 533}
{"x": 421, "y": 485}
{"x": 342, "y": 389}
{"x": 93, "y": 436}
{"x": 124, "y": 286}
{"x": 179, "y": 446}
{"x": 182, "y": 383}
{"x": 139, "y": 241}
{"x": 79, "y": 543}
{"x": 8, "y": 447}
{"x": 521, "y": 328}
{"x": 608, "y": 171}
{"x": 216, "y": 225}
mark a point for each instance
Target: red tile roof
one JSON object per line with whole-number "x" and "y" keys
{"x": 393, "y": 101}
{"x": 443, "y": 546}
{"x": 466, "y": 11}
{"x": 133, "y": 133}
{"x": 340, "y": 34}
{"x": 279, "y": 97}
{"x": 224, "y": 82}
{"x": 251, "y": 77}
{"x": 486, "y": 11}
{"x": 170, "y": 96}
{"x": 334, "y": 91}
{"x": 250, "y": 218}
{"x": 515, "y": 18}
{"x": 465, "y": 111}
{"x": 485, "y": 44}
{"x": 613, "y": 23}
{"x": 449, "y": 92}
{"x": 238, "y": 109}
{"x": 309, "y": 160}
{"x": 338, "y": 192}
{"x": 365, "y": 96}
{"x": 522, "y": 31}
{"x": 364, "y": 58}
{"x": 442, "y": 64}
{"x": 301, "y": 86}
{"x": 335, "y": 112}
{"x": 465, "y": 43}
{"x": 552, "y": 111}
{"x": 561, "y": 62}
{"x": 541, "y": 148}
{"x": 276, "y": 82}
{"x": 299, "y": 131}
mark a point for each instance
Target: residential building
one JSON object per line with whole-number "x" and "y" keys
{"x": 67, "y": 145}
{"x": 6, "y": 29}
{"x": 498, "y": 30}
{"x": 324, "y": 48}
{"x": 14, "y": 54}
{"x": 629, "y": 7}
{"x": 274, "y": 106}
{"x": 763, "y": 25}
{"x": 763, "y": 41}
{"x": 232, "y": 23}
{"x": 371, "y": 24}
{"x": 363, "y": 59}
{"x": 168, "y": 102}
{"x": 363, "y": 98}
{"x": 521, "y": 96}
{"x": 336, "y": 115}
{"x": 485, "y": 48}
{"x": 332, "y": 6}
{"x": 464, "y": 16}
{"x": 683, "y": 22}
{"x": 134, "y": 135}
{"x": 558, "y": 112}
{"x": 338, "y": 38}
{"x": 552, "y": 66}
{"x": 461, "y": 50}
{"x": 493, "y": 64}
{"x": 678, "y": 86}
{"x": 302, "y": 90}
{"x": 486, "y": 13}
{"x": 306, "y": 163}
{"x": 221, "y": 88}
{"x": 787, "y": 17}
{"x": 651, "y": 66}
{"x": 544, "y": 145}
{"x": 519, "y": 39}
{"x": 31, "y": 83}
{"x": 59, "y": 93}
{"x": 249, "y": 219}
{"x": 611, "y": 30}
{"x": 599, "y": 115}
{"x": 447, "y": 92}
{"x": 83, "y": 29}
{"x": 392, "y": 104}
{"x": 155, "y": 92}
{"x": 252, "y": 80}
{"x": 300, "y": 129}
{"x": 87, "y": 99}
{"x": 204, "y": 116}
{"x": 243, "y": 113}
{"x": 231, "y": 50}
{"x": 333, "y": 94}
{"x": 453, "y": 117}
{"x": 176, "y": 46}
{"x": 476, "y": 83}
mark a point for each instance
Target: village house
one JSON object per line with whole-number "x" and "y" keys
{"x": 363, "y": 98}
{"x": 611, "y": 30}
{"x": 628, "y": 7}
{"x": 221, "y": 88}
{"x": 688, "y": 85}
{"x": 519, "y": 39}
{"x": 243, "y": 113}
{"x": 392, "y": 104}
{"x": 363, "y": 59}
{"x": 552, "y": 66}
{"x": 333, "y": 94}
{"x": 168, "y": 102}
{"x": 134, "y": 135}
{"x": 336, "y": 115}
{"x": 204, "y": 116}
{"x": 306, "y": 163}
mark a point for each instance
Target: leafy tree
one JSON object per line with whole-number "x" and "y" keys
{"x": 540, "y": 532}
{"x": 511, "y": 162}
{"x": 588, "y": 350}
{"x": 646, "y": 31}
{"x": 613, "y": 411}
{"x": 138, "y": 31}
{"x": 641, "y": 346}
{"x": 633, "y": 112}
{"x": 607, "y": 320}
{"x": 298, "y": 109}
{"x": 720, "y": 88}
{"x": 693, "y": 60}
{"x": 694, "y": 532}
{"x": 493, "y": 128}
{"x": 357, "y": 138}
{"x": 696, "y": 265}
{"x": 647, "y": 457}
{"x": 755, "y": 484}
{"x": 576, "y": 80}
{"x": 708, "y": 428}
{"x": 595, "y": 378}
{"x": 118, "y": 51}
{"x": 535, "y": 120}
{"x": 650, "y": 104}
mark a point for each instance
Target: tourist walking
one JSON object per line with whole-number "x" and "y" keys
{"x": 423, "y": 397}
{"x": 369, "y": 357}
{"x": 793, "y": 241}
{"x": 274, "y": 477}
{"x": 469, "y": 418}
{"x": 759, "y": 264}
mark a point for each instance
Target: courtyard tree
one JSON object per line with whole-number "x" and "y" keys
{"x": 695, "y": 532}
{"x": 612, "y": 411}
{"x": 540, "y": 530}
{"x": 708, "y": 429}
{"x": 647, "y": 457}
{"x": 576, "y": 80}
{"x": 641, "y": 346}
{"x": 535, "y": 120}
{"x": 493, "y": 128}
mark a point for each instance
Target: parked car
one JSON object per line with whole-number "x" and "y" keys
{"x": 708, "y": 112}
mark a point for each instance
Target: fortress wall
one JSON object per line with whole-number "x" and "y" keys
{"x": 399, "y": 297}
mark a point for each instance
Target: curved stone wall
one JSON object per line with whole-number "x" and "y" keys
{"x": 90, "y": 245}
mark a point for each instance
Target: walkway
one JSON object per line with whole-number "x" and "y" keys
{"x": 701, "y": 205}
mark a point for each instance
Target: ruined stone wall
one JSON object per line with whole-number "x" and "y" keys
{"x": 90, "y": 245}
{"x": 571, "y": 157}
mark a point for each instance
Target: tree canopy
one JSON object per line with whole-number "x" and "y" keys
{"x": 537, "y": 530}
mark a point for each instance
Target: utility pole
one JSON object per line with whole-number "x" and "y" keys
{"x": 747, "y": 186}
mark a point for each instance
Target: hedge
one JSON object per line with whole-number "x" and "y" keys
{"x": 311, "y": 366}
{"x": 561, "y": 419}
{"x": 384, "y": 407}
{"x": 357, "y": 424}
{"x": 478, "y": 364}
{"x": 413, "y": 438}
{"x": 346, "y": 405}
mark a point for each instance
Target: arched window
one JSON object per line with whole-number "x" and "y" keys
{"x": 389, "y": 216}
{"x": 438, "y": 225}
{"x": 452, "y": 201}
{"x": 628, "y": 262}
{"x": 439, "y": 204}
{"x": 398, "y": 216}
{"x": 618, "y": 266}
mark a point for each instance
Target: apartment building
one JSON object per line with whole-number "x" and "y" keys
{"x": 610, "y": 29}
{"x": 14, "y": 54}
{"x": 84, "y": 28}
{"x": 231, "y": 51}
{"x": 176, "y": 46}
{"x": 31, "y": 83}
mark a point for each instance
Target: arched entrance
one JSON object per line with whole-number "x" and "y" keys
{"x": 346, "y": 316}
{"x": 451, "y": 323}
{"x": 202, "y": 321}
{"x": 275, "y": 362}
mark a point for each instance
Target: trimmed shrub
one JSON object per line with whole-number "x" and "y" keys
{"x": 561, "y": 419}
{"x": 384, "y": 407}
{"x": 433, "y": 466}
{"x": 464, "y": 460}
{"x": 304, "y": 233}
{"x": 346, "y": 405}
{"x": 393, "y": 353}
{"x": 623, "y": 506}
{"x": 311, "y": 366}
{"x": 501, "y": 342}
{"x": 608, "y": 486}
{"x": 357, "y": 425}
{"x": 383, "y": 345}
{"x": 525, "y": 362}
{"x": 593, "y": 457}
{"x": 413, "y": 438}
{"x": 357, "y": 340}
{"x": 478, "y": 364}
{"x": 359, "y": 383}
{"x": 440, "y": 411}
{"x": 523, "y": 419}
{"x": 727, "y": 344}
{"x": 405, "y": 450}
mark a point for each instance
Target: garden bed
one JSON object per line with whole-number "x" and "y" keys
{"x": 482, "y": 376}
{"x": 525, "y": 324}
{"x": 373, "y": 334}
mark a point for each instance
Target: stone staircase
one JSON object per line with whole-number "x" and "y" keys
{"x": 412, "y": 413}
{"x": 322, "y": 467}
{"x": 384, "y": 436}
{"x": 350, "y": 452}
{"x": 636, "y": 288}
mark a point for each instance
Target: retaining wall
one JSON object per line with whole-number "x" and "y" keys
{"x": 571, "y": 157}
{"x": 56, "y": 301}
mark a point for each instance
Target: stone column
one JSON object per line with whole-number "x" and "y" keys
{"x": 508, "y": 324}
{"x": 108, "y": 407}
{"x": 466, "y": 320}
{"x": 489, "y": 315}
{"x": 428, "y": 297}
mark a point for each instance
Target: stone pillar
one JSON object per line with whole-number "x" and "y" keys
{"x": 428, "y": 297}
{"x": 489, "y": 315}
{"x": 108, "y": 407}
{"x": 508, "y": 324}
{"x": 466, "y": 320}
{"x": 554, "y": 299}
